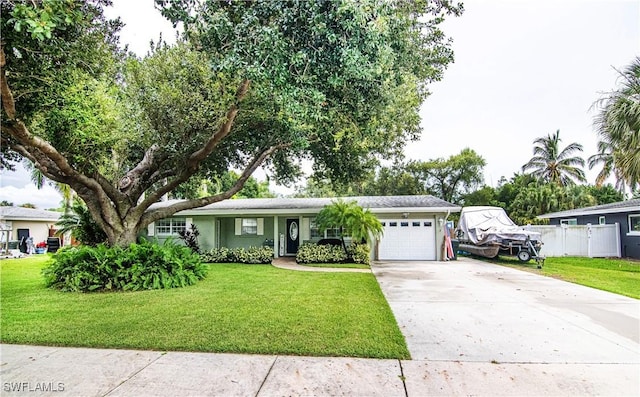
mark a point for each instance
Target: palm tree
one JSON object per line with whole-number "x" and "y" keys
{"x": 352, "y": 220}
{"x": 78, "y": 222}
{"x": 551, "y": 164}
{"x": 606, "y": 157}
{"x": 618, "y": 125}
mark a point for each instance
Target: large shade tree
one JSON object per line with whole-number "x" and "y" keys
{"x": 554, "y": 164}
{"x": 618, "y": 127}
{"x": 252, "y": 83}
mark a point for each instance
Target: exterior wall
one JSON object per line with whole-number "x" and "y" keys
{"x": 229, "y": 239}
{"x": 629, "y": 242}
{"x": 214, "y": 236}
{"x": 38, "y": 230}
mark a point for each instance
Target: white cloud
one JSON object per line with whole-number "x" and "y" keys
{"x": 45, "y": 198}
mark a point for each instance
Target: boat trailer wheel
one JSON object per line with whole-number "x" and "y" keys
{"x": 524, "y": 255}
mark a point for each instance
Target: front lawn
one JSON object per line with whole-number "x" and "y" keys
{"x": 237, "y": 308}
{"x": 620, "y": 276}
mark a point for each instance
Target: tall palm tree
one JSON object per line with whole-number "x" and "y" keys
{"x": 607, "y": 157}
{"x": 551, "y": 164}
{"x": 618, "y": 126}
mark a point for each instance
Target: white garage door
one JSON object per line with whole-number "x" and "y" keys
{"x": 408, "y": 239}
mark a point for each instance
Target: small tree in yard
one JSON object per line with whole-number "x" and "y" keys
{"x": 351, "y": 219}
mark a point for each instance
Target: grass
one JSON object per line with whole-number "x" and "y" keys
{"x": 338, "y": 265}
{"x": 237, "y": 308}
{"x": 619, "y": 276}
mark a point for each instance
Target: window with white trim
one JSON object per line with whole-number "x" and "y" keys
{"x": 602, "y": 220}
{"x": 249, "y": 226}
{"x": 570, "y": 221}
{"x": 329, "y": 233}
{"x": 170, "y": 226}
{"x": 313, "y": 229}
{"x": 634, "y": 224}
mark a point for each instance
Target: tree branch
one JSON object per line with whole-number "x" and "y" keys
{"x": 160, "y": 213}
{"x": 8, "y": 103}
{"x": 224, "y": 129}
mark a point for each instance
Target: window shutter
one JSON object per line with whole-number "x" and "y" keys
{"x": 305, "y": 230}
{"x": 238, "y": 226}
{"x": 188, "y": 223}
{"x": 260, "y": 226}
{"x": 151, "y": 229}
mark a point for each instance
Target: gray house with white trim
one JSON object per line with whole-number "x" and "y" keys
{"x": 625, "y": 213}
{"x": 413, "y": 225}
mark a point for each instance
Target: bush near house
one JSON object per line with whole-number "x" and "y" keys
{"x": 137, "y": 267}
{"x": 251, "y": 255}
{"x": 319, "y": 253}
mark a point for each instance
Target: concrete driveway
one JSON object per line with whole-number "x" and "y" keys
{"x": 475, "y": 328}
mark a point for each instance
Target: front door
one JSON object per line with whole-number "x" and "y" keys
{"x": 23, "y": 235}
{"x": 293, "y": 236}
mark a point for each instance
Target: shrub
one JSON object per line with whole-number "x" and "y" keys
{"x": 326, "y": 253}
{"x": 139, "y": 266}
{"x": 314, "y": 253}
{"x": 251, "y": 255}
{"x": 359, "y": 253}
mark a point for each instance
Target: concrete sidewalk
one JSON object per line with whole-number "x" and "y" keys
{"x": 53, "y": 371}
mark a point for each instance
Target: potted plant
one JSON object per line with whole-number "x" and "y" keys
{"x": 41, "y": 247}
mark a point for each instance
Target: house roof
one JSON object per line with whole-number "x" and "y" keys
{"x": 297, "y": 205}
{"x": 27, "y": 214}
{"x": 611, "y": 208}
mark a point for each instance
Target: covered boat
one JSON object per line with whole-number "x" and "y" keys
{"x": 489, "y": 232}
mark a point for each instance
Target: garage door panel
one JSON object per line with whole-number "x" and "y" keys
{"x": 408, "y": 240}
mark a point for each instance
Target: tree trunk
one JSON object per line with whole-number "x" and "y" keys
{"x": 125, "y": 238}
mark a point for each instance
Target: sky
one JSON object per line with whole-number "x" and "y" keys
{"x": 523, "y": 69}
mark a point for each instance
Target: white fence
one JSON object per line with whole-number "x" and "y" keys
{"x": 580, "y": 240}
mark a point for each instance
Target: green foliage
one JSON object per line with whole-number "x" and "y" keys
{"x": 198, "y": 188}
{"x": 137, "y": 267}
{"x": 359, "y": 253}
{"x": 524, "y": 197}
{"x": 250, "y": 83}
{"x": 249, "y": 309}
{"x": 605, "y": 194}
{"x": 618, "y": 126}
{"x": 339, "y": 81}
{"x": 620, "y": 276}
{"x": 449, "y": 179}
{"x": 80, "y": 223}
{"x": 555, "y": 165}
{"x": 42, "y": 21}
{"x": 315, "y": 253}
{"x": 251, "y": 255}
{"x": 352, "y": 220}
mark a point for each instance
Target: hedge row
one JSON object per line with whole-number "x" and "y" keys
{"x": 252, "y": 255}
{"x": 314, "y": 253}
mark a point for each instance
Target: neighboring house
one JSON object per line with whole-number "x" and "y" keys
{"x": 413, "y": 225}
{"x": 27, "y": 222}
{"x": 625, "y": 213}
